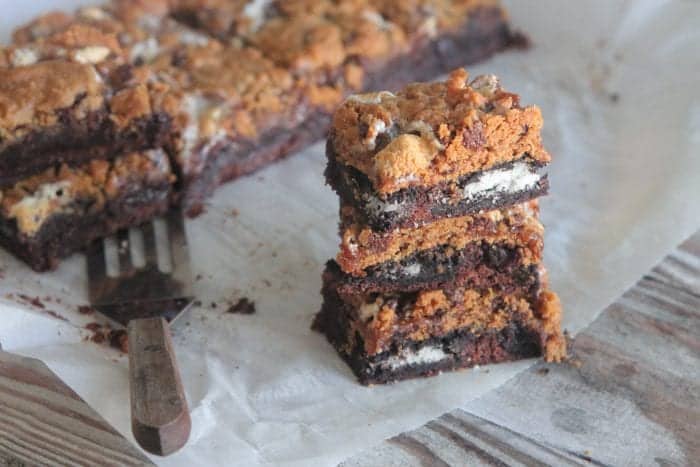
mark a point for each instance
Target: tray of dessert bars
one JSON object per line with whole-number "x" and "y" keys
{"x": 392, "y": 207}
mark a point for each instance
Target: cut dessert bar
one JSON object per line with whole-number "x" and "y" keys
{"x": 440, "y": 262}
{"x": 386, "y": 336}
{"x": 51, "y": 215}
{"x": 60, "y": 111}
{"x": 435, "y": 150}
{"x": 362, "y": 248}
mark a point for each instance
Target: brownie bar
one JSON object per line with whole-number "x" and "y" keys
{"x": 59, "y": 111}
{"x": 347, "y": 60}
{"x": 504, "y": 185}
{"x": 433, "y": 133}
{"x": 388, "y": 337}
{"x": 51, "y": 215}
{"x": 362, "y": 247}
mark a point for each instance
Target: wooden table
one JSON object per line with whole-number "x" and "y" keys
{"x": 633, "y": 399}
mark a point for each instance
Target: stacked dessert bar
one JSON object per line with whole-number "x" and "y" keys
{"x": 112, "y": 113}
{"x": 440, "y": 263}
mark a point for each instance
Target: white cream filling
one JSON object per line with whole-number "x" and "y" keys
{"x": 33, "y": 210}
{"x": 409, "y": 358}
{"x": 196, "y": 107}
{"x": 518, "y": 177}
{"x": 370, "y": 97}
{"x": 92, "y": 54}
{"x": 255, "y": 10}
{"x": 24, "y": 57}
{"x": 146, "y": 50}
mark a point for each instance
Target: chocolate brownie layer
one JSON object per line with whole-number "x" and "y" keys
{"x": 59, "y": 111}
{"x": 362, "y": 248}
{"x": 510, "y": 183}
{"x": 479, "y": 265}
{"x": 51, "y": 215}
{"x": 409, "y": 359}
{"x": 410, "y": 334}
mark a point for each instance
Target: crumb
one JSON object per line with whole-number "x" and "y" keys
{"x": 213, "y": 305}
{"x": 198, "y": 277}
{"x": 197, "y": 303}
{"x": 98, "y": 337}
{"x": 32, "y": 301}
{"x": 614, "y": 97}
{"x": 243, "y": 307}
{"x": 56, "y": 315}
{"x": 119, "y": 340}
{"x": 235, "y": 212}
{"x": 274, "y": 254}
{"x": 86, "y": 310}
{"x": 574, "y": 362}
{"x": 543, "y": 371}
{"x": 94, "y": 327}
{"x": 267, "y": 283}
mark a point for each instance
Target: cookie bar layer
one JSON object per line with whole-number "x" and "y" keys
{"x": 59, "y": 111}
{"x": 51, "y": 215}
{"x": 430, "y": 133}
{"x": 387, "y": 337}
{"x": 500, "y": 266}
{"x": 324, "y": 73}
{"x": 362, "y": 247}
{"x": 510, "y": 183}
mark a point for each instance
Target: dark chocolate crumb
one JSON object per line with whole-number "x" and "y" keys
{"x": 86, "y": 310}
{"x": 235, "y": 212}
{"x": 473, "y": 138}
{"x": 614, "y": 97}
{"x": 198, "y": 277}
{"x": 243, "y": 307}
{"x": 32, "y": 301}
{"x": 197, "y": 303}
{"x": 119, "y": 340}
{"x": 213, "y": 305}
{"x": 543, "y": 371}
{"x": 267, "y": 283}
{"x": 93, "y": 327}
{"x": 56, "y": 315}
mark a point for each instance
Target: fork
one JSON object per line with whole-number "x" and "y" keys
{"x": 144, "y": 296}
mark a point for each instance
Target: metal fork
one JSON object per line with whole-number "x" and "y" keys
{"x": 142, "y": 297}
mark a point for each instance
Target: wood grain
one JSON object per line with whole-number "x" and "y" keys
{"x": 43, "y": 422}
{"x": 160, "y": 416}
{"x": 633, "y": 400}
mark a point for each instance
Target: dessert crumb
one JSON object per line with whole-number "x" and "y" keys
{"x": 243, "y": 307}
{"x": 86, "y": 310}
{"x": 119, "y": 340}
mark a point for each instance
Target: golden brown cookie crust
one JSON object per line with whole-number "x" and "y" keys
{"x": 31, "y": 96}
{"x": 518, "y": 226}
{"x": 465, "y": 127}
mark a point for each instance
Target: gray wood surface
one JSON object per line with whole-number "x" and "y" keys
{"x": 43, "y": 422}
{"x": 632, "y": 399}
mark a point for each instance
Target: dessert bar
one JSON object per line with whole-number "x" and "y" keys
{"x": 440, "y": 261}
{"x": 53, "y": 214}
{"x": 386, "y": 337}
{"x": 227, "y": 87}
{"x": 400, "y": 159}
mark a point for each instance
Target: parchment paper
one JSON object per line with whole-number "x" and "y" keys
{"x": 617, "y": 83}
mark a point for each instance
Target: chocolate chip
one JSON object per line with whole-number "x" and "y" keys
{"x": 473, "y": 138}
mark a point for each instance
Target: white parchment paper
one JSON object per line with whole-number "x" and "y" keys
{"x": 617, "y": 83}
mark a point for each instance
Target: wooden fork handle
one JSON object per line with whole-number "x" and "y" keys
{"x": 160, "y": 418}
